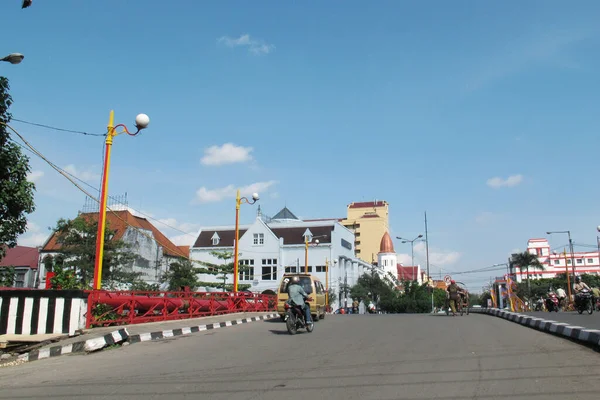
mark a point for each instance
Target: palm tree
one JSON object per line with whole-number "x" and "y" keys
{"x": 525, "y": 260}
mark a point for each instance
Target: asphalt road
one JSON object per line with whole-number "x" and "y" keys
{"x": 346, "y": 357}
{"x": 572, "y": 318}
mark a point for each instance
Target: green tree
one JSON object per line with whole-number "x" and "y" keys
{"x": 77, "y": 251}
{"x": 182, "y": 273}
{"x": 439, "y": 297}
{"x": 223, "y": 271}
{"x": 524, "y": 261}
{"x": 16, "y": 193}
{"x": 7, "y": 276}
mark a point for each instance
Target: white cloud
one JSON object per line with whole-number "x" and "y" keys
{"x": 87, "y": 176}
{"x": 228, "y": 153}
{"x": 498, "y": 182}
{"x": 254, "y": 46}
{"x": 33, "y": 237}
{"x": 34, "y": 176}
{"x": 204, "y": 195}
{"x": 437, "y": 257}
{"x": 183, "y": 240}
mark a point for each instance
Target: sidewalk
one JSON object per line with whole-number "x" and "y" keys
{"x": 98, "y": 338}
{"x": 554, "y": 324}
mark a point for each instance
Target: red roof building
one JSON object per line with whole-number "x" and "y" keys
{"x": 25, "y": 262}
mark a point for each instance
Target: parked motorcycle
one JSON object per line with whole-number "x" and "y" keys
{"x": 552, "y": 302}
{"x": 295, "y": 319}
{"x": 584, "y": 301}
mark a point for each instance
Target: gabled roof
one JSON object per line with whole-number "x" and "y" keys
{"x": 407, "y": 273}
{"x": 285, "y": 213}
{"x": 290, "y": 235}
{"x": 20, "y": 256}
{"x": 119, "y": 221}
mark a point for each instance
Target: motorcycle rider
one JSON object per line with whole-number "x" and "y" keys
{"x": 297, "y": 295}
{"x": 562, "y": 297}
{"x": 453, "y": 293}
{"x": 579, "y": 286}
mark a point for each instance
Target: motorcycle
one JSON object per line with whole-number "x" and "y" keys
{"x": 584, "y": 300}
{"x": 295, "y": 319}
{"x": 552, "y": 302}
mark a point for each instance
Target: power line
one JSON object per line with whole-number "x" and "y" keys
{"x": 58, "y": 129}
{"x": 62, "y": 171}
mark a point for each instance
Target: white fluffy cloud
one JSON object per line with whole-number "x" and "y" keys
{"x": 33, "y": 237}
{"x": 228, "y": 153}
{"x": 34, "y": 176}
{"x": 87, "y": 176}
{"x": 204, "y": 195}
{"x": 254, "y": 46}
{"x": 485, "y": 217}
{"x": 498, "y": 182}
{"x": 436, "y": 256}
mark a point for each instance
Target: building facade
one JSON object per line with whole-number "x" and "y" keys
{"x": 369, "y": 221}
{"x": 153, "y": 251}
{"x": 25, "y": 262}
{"x": 555, "y": 263}
{"x": 271, "y": 247}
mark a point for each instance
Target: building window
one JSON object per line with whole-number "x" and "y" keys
{"x": 580, "y": 261}
{"x": 246, "y": 272}
{"x": 556, "y": 262}
{"x": 320, "y": 268}
{"x": 215, "y": 241}
{"x": 20, "y": 279}
{"x": 291, "y": 270}
{"x": 309, "y": 269}
{"x": 269, "y": 269}
{"x": 259, "y": 239}
{"x": 569, "y": 261}
{"x": 591, "y": 260}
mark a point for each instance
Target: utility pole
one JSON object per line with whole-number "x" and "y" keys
{"x": 427, "y": 257}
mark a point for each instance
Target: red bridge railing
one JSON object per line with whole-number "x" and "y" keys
{"x": 109, "y": 308}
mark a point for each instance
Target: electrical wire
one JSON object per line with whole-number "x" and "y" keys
{"x": 59, "y": 129}
{"x": 68, "y": 176}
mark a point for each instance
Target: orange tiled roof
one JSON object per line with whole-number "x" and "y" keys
{"x": 119, "y": 224}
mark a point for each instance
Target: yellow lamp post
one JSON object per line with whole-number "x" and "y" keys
{"x": 141, "y": 122}
{"x": 238, "y": 202}
{"x": 306, "y": 243}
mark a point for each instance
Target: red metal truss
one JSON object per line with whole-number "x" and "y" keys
{"x": 109, "y": 308}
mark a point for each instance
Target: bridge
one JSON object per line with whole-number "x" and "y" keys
{"x": 402, "y": 356}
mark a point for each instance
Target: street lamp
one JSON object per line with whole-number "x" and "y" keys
{"x": 13, "y": 58}
{"x": 238, "y": 202}
{"x": 412, "y": 247}
{"x": 566, "y": 273}
{"x": 306, "y": 243}
{"x": 570, "y": 249}
{"x": 141, "y": 122}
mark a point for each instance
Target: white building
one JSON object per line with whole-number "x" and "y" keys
{"x": 555, "y": 263}
{"x": 387, "y": 259}
{"x": 153, "y": 251}
{"x": 270, "y": 247}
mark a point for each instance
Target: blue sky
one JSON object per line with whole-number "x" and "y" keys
{"x": 485, "y": 114}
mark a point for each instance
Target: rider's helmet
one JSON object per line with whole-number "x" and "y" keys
{"x": 577, "y": 279}
{"x": 452, "y": 281}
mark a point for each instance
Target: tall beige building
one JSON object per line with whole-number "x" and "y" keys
{"x": 370, "y": 221}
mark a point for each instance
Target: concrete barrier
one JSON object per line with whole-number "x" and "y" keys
{"x": 38, "y": 312}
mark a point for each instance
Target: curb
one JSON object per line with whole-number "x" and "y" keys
{"x": 121, "y": 335}
{"x": 590, "y": 337}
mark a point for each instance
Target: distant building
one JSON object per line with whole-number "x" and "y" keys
{"x": 555, "y": 263}
{"x": 154, "y": 251}
{"x": 25, "y": 262}
{"x": 369, "y": 221}
{"x": 387, "y": 259}
{"x": 270, "y": 247}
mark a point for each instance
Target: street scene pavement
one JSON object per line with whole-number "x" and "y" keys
{"x": 345, "y": 357}
{"x": 572, "y": 318}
